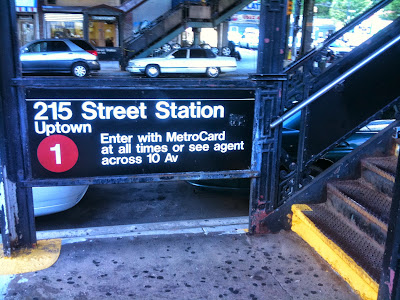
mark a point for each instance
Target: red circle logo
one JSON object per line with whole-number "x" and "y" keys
{"x": 57, "y": 153}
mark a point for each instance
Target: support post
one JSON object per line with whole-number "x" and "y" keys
{"x": 271, "y": 48}
{"x": 196, "y": 36}
{"x": 16, "y": 205}
{"x": 266, "y": 142}
{"x": 307, "y": 27}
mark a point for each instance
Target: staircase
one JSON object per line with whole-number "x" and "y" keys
{"x": 349, "y": 229}
{"x": 175, "y": 21}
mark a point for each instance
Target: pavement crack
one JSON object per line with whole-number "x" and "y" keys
{"x": 291, "y": 297}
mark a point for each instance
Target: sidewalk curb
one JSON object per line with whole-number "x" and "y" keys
{"x": 238, "y": 225}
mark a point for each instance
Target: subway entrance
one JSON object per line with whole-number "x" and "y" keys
{"x": 148, "y": 132}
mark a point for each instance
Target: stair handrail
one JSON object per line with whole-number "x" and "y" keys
{"x": 156, "y": 21}
{"x": 334, "y": 36}
{"x": 329, "y": 86}
{"x": 163, "y": 17}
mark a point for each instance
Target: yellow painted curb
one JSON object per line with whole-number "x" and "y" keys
{"x": 343, "y": 264}
{"x": 44, "y": 255}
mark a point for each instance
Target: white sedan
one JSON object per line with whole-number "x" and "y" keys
{"x": 184, "y": 60}
{"x": 53, "y": 199}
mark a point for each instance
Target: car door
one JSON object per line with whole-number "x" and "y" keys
{"x": 176, "y": 62}
{"x": 59, "y": 56}
{"x": 199, "y": 62}
{"x": 35, "y": 57}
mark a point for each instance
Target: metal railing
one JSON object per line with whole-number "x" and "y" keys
{"x": 336, "y": 35}
{"x": 329, "y": 86}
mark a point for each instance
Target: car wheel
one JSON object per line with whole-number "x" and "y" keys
{"x": 215, "y": 50}
{"x": 212, "y": 72}
{"x": 152, "y": 71}
{"x": 166, "y": 47}
{"x": 80, "y": 70}
{"x": 176, "y": 46}
{"x": 226, "y": 51}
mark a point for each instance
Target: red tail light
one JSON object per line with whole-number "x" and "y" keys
{"x": 94, "y": 52}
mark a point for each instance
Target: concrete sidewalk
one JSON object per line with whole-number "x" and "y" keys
{"x": 194, "y": 266}
{"x": 110, "y": 68}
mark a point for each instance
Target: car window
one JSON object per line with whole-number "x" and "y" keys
{"x": 83, "y": 44}
{"x": 38, "y": 47}
{"x": 210, "y": 53}
{"x": 180, "y": 54}
{"x": 57, "y": 46}
{"x": 197, "y": 53}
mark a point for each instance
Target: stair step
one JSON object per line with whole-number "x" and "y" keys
{"x": 387, "y": 163}
{"x": 365, "y": 251}
{"x": 380, "y": 172}
{"x": 368, "y": 208}
{"x": 355, "y": 256}
{"x": 376, "y": 203}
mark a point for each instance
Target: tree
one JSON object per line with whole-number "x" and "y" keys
{"x": 392, "y": 11}
{"x": 345, "y": 10}
{"x": 323, "y": 7}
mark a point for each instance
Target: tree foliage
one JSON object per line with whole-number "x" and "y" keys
{"x": 323, "y": 7}
{"x": 392, "y": 11}
{"x": 345, "y": 10}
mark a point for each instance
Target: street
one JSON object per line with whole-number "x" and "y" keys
{"x": 122, "y": 204}
{"x": 247, "y": 65}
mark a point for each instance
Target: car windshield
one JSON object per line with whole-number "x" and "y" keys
{"x": 338, "y": 43}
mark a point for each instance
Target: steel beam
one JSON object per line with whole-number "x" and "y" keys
{"x": 266, "y": 142}
{"x": 16, "y": 205}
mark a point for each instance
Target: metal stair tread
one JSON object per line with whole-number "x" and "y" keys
{"x": 387, "y": 163}
{"x": 359, "y": 246}
{"x": 374, "y": 202}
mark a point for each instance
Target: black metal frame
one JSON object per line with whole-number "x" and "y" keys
{"x": 269, "y": 88}
{"x": 264, "y": 192}
{"x": 269, "y": 91}
{"x": 305, "y": 77}
{"x": 16, "y": 211}
{"x": 133, "y": 84}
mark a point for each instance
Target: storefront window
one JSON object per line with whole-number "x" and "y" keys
{"x": 26, "y": 29}
{"x": 103, "y": 31}
{"x": 64, "y": 25}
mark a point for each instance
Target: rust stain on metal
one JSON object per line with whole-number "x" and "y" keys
{"x": 257, "y": 218}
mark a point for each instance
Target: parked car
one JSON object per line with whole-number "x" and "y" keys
{"x": 184, "y": 60}
{"x": 249, "y": 40}
{"x": 338, "y": 49}
{"x": 53, "y": 199}
{"x": 290, "y": 135}
{"x": 75, "y": 56}
{"x": 234, "y": 36}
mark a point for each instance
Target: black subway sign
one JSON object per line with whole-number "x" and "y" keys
{"x": 88, "y": 133}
